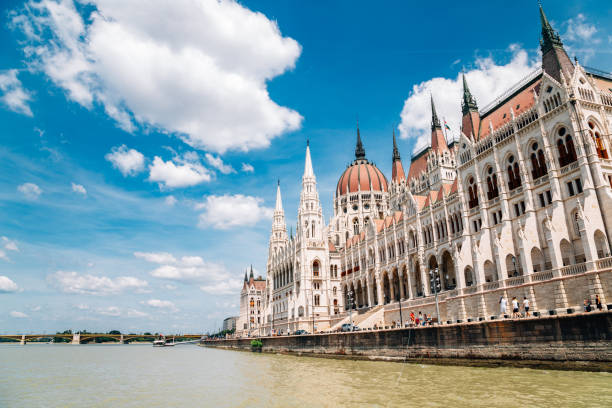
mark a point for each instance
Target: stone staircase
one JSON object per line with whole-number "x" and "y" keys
{"x": 360, "y": 317}
{"x": 372, "y": 317}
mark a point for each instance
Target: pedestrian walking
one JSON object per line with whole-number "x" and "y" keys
{"x": 412, "y": 318}
{"x": 598, "y": 303}
{"x": 526, "y": 306}
{"x": 502, "y": 305}
{"x": 587, "y": 305}
{"x": 515, "y": 308}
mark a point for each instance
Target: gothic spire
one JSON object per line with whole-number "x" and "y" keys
{"x": 359, "y": 150}
{"x": 245, "y": 276}
{"x": 279, "y": 201}
{"x": 251, "y": 274}
{"x": 550, "y": 38}
{"x": 469, "y": 103}
{"x": 308, "y": 172}
{"x": 396, "y": 154}
{"x": 435, "y": 122}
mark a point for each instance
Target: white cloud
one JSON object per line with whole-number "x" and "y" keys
{"x": 217, "y": 163}
{"x": 72, "y": 282}
{"x": 170, "y": 200}
{"x": 227, "y": 287}
{"x": 578, "y": 29}
{"x": 36, "y": 308}
{"x": 128, "y": 161}
{"x": 135, "y": 313}
{"x": 30, "y": 190}
{"x": 12, "y": 94}
{"x": 198, "y": 69}
{"x": 169, "y": 287}
{"x": 228, "y": 211}
{"x": 82, "y": 306}
{"x": 7, "y": 285}
{"x": 247, "y": 168}
{"x": 78, "y": 188}
{"x": 18, "y": 315}
{"x": 170, "y": 175}
{"x": 156, "y": 257}
{"x": 9, "y": 245}
{"x": 213, "y": 278}
{"x": 486, "y": 81}
{"x": 161, "y": 304}
{"x": 113, "y": 311}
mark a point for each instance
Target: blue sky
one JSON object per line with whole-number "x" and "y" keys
{"x": 141, "y": 146}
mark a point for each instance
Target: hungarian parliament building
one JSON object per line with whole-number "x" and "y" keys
{"x": 519, "y": 206}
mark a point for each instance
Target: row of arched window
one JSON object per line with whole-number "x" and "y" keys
{"x": 283, "y": 277}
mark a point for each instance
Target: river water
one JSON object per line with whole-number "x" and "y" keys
{"x": 64, "y": 375}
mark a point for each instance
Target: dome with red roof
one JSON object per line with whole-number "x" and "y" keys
{"x": 361, "y": 175}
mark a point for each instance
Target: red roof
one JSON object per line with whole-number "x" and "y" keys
{"x": 417, "y": 167}
{"x": 397, "y": 171}
{"x": 361, "y": 175}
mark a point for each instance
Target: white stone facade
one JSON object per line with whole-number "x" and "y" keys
{"x": 520, "y": 205}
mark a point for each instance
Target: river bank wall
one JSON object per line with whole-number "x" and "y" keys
{"x": 579, "y": 341}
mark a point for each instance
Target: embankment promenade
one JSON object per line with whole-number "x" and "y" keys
{"x": 568, "y": 342}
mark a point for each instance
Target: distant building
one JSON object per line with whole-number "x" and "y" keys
{"x": 251, "y": 305}
{"x": 229, "y": 323}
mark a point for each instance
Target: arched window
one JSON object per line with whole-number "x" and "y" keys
{"x": 514, "y": 177}
{"x": 565, "y": 145}
{"x": 306, "y": 228}
{"x": 317, "y": 300}
{"x": 355, "y": 226}
{"x": 315, "y": 268}
{"x": 334, "y": 291}
{"x": 472, "y": 192}
{"x": 313, "y": 229}
{"x": 493, "y": 191}
{"x": 252, "y": 302}
{"x": 538, "y": 163}
{"x": 602, "y": 152}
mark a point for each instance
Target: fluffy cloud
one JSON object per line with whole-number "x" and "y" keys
{"x": 170, "y": 200}
{"x": 9, "y": 245}
{"x": 161, "y": 304}
{"x": 30, "y": 190}
{"x": 79, "y": 189}
{"x": 213, "y": 278}
{"x": 12, "y": 94}
{"x": 128, "y": 161}
{"x": 114, "y": 311}
{"x": 578, "y": 29}
{"x": 247, "y": 168}
{"x": 487, "y": 81}
{"x": 198, "y": 69}
{"x": 188, "y": 172}
{"x": 18, "y": 315}
{"x": 228, "y": 211}
{"x": 72, "y": 282}
{"x": 7, "y": 285}
{"x": 217, "y": 163}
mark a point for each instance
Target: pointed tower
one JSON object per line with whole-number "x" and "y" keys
{"x": 251, "y": 274}
{"x": 359, "y": 150}
{"x": 397, "y": 169}
{"x": 470, "y": 124}
{"x": 245, "y": 276}
{"x": 278, "y": 236}
{"x": 554, "y": 58}
{"x": 310, "y": 215}
{"x": 438, "y": 141}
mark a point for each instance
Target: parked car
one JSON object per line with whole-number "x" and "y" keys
{"x": 300, "y": 332}
{"x": 348, "y": 327}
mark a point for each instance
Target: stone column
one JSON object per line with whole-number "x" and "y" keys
{"x": 76, "y": 338}
{"x": 379, "y": 291}
{"x": 23, "y": 340}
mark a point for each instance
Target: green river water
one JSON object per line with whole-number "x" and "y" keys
{"x": 63, "y": 375}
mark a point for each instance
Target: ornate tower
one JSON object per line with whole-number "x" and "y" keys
{"x": 278, "y": 236}
{"x": 310, "y": 214}
{"x": 470, "y": 124}
{"x": 555, "y": 60}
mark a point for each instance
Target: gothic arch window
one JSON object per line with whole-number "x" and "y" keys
{"x": 473, "y": 193}
{"x": 334, "y": 291}
{"x": 538, "y": 162}
{"x": 312, "y": 225}
{"x": 492, "y": 190}
{"x": 315, "y": 268}
{"x": 252, "y": 302}
{"x": 565, "y": 146}
{"x": 600, "y": 146}
{"x": 355, "y": 226}
{"x": 514, "y": 177}
{"x": 317, "y": 300}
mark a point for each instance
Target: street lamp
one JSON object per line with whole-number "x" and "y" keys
{"x": 434, "y": 278}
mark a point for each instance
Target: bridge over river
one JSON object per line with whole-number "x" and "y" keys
{"x": 77, "y": 338}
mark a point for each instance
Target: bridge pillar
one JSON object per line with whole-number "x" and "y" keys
{"x": 23, "y": 340}
{"x": 76, "y": 338}
{"x": 121, "y": 341}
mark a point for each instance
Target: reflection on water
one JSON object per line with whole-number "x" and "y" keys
{"x": 140, "y": 376}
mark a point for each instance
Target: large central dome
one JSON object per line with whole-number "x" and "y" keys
{"x": 361, "y": 175}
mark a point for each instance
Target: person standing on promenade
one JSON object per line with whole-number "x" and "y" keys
{"x": 515, "y": 308}
{"x": 598, "y": 303}
{"x": 502, "y": 305}
{"x": 587, "y": 305}
{"x": 526, "y": 306}
{"x": 412, "y": 318}
{"x": 419, "y": 319}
